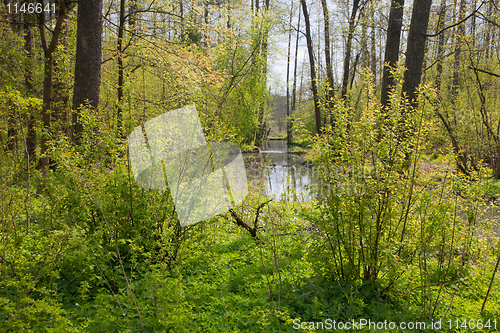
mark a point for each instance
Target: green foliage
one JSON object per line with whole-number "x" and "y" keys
{"x": 17, "y": 109}
{"x": 393, "y": 235}
{"x": 30, "y": 296}
{"x": 11, "y": 56}
{"x": 383, "y": 222}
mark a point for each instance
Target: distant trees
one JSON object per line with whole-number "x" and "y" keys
{"x": 159, "y": 55}
{"x": 330, "y": 94}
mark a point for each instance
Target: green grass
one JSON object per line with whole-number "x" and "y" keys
{"x": 64, "y": 273}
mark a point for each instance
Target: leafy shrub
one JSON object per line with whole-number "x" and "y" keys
{"x": 383, "y": 222}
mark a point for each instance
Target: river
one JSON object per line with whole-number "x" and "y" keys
{"x": 280, "y": 175}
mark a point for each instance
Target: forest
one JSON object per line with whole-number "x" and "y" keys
{"x": 357, "y": 145}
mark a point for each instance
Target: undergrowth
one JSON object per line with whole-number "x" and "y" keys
{"x": 86, "y": 250}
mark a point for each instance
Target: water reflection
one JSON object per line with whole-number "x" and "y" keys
{"x": 279, "y": 175}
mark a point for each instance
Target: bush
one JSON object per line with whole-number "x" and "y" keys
{"x": 384, "y": 224}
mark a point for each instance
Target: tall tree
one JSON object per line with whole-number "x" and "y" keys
{"x": 288, "y": 121}
{"x": 329, "y": 72}
{"x": 391, "y": 47}
{"x": 121, "y": 70}
{"x": 373, "y": 49}
{"x": 294, "y": 85}
{"x": 314, "y": 82}
{"x": 88, "y": 60}
{"x": 48, "y": 50}
{"x": 415, "y": 50}
{"x": 261, "y": 59}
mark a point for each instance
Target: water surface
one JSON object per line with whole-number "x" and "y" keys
{"x": 280, "y": 175}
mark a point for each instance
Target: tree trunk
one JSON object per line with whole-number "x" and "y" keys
{"x": 88, "y": 60}
{"x": 373, "y": 49}
{"x": 288, "y": 124}
{"x": 181, "y": 15}
{"x": 473, "y": 27}
{"x": 294, "y": 85}
{"x": 314, "y": 82}
{"x": 348, "y": 47}
{"x": 263, "y": 66}
{"x": 391, "y": 48}
{"x": 415, "y": 50}
{"x": 119, "y": 50}
{"x": 330, "y": 94}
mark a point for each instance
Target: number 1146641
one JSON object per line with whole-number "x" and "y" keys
{"x": 31, "y": 8}
{"x": 471, "y": 324}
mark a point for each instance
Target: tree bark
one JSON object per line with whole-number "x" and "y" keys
{"x": 330, "y": 94}
{"x": 263, "y": 67}
{"x": 314, "y": 82}
{"x": 391, "y": 48}
{"x": 88, "y": 60}
{"x": 119, "y": 50}
{"x": 288, "y": 123}
{"x": 415, "y": 50}
{"x": 373, "y": 49}
{"x": 294, "y": 85}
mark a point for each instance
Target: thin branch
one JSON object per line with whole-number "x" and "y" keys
{"x": 458, "y": 23}
{"x": 484, "y": 71}
{"x": 258, "y": 212}
{"x": 147, "y": 10}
